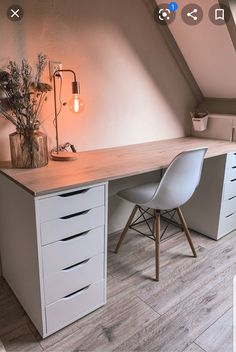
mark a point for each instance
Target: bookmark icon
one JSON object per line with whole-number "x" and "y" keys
{"x": 219, "y": 14}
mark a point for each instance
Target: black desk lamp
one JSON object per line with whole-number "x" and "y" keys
{"x": 76, "y": 104}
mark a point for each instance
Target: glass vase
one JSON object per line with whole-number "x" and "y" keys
{"x": 28, "y": 149}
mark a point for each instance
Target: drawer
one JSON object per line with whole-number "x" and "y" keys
{"x": 230, "y": 173}
{"x": 72, "y": 202}
{"x": 71, "y": 225}
{"x": 231, "y": 160}
{"x": 229, "y": 190}
{"x": 74, "y": 306}
{"x": 62, "y": 254}
{"x": 71, "y": 279}
{"x": 228, "y": 207}
{"x": 227, "y": 224}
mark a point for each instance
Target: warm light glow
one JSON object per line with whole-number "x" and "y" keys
{"x": 76, "y": 104}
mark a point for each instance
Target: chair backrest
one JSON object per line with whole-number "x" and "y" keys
{"x": 180, "y": 180}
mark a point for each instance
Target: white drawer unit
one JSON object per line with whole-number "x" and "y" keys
{"x": 70, "y": 202}
{"x": 229, "y": 190}
{"x": 227, "y": 223}
{"x": 74, "y": 306}
{"x": 60, "y": 256}
{"x": 228, "y": 206}
{"x": 231, "y": 159}
{"x": 70, "y": 279}
{"x": 212, "y": 209}
{"x": 71, "y": 225}
{"x": 230, "y": 173}
{"x": 72, "y": 250}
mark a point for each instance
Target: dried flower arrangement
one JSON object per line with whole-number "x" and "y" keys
{"x": 22, "y": 95}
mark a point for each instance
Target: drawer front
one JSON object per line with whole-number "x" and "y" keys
{"x": 75, "y": 306}
{"x": 228, "y": 207}
{"x": 230, "y": 174}
{"x": 231, "y": 160}
{"x": 229, "y": 190}
{"x": 68, "y": 280}
{"x": 227, "y": 224}
{"x": 62, "y": 254}
{"x": 68, "y": 226}
{"x": 72, "y": 202}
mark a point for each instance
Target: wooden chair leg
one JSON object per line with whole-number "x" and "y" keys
{"x": 186, "y": 230}
{"x": 157, "y": 243}
{"x": 126, "y": 228}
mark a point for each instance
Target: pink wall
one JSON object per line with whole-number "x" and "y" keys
{"x": 131, "y": 85}
{"x": 208, "y": 51}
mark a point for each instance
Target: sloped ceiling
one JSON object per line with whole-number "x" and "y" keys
{"x": 208, "y": 51}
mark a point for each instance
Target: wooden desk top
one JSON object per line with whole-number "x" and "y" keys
{"x": 109, "y": 164}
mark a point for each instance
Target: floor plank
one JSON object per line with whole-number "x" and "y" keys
{"x": 219, "y": 336}
{"x": 108, "y": 327}
{"x": 14, "y": 331}
{"x": 194, "y": 348}
{"x": 21, "y": 340}
{"x": 141, "y": 253}
{"x": 141, "y": 314}
{"x": 180, "y": 326}
{"x": 178, "y": 282}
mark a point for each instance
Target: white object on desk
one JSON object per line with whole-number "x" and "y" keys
{"x": 199, "y": 122}
{"x": 219, "y": 126}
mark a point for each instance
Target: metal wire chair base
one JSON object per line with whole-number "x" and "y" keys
{"x": 146, "y": 216}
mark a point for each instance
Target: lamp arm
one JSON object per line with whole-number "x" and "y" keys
{"x": 75, "y": 90}
{"x": 66, "y": 70}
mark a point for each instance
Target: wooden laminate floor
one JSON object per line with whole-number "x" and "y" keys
{"x": 189, "y": 310}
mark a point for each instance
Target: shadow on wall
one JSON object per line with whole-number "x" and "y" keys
{"x": 145, "y": 38}
{"x": 132, "y": 86}
{"x": 158, "y": 81}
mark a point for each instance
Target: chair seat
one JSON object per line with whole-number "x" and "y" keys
{"x": 139, "y": 194}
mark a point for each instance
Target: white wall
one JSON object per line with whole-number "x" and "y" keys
{"x": 131, "y": 85}
{"x": 208, "y": 51}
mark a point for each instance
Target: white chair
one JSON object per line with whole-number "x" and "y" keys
{"x": 175, "y": 188}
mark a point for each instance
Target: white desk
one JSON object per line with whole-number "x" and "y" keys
{"x": 54, "y": 226}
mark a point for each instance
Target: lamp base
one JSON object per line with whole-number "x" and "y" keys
{"x": 64, "y": 156}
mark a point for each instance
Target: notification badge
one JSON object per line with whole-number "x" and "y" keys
{"x": 163, "y": 15}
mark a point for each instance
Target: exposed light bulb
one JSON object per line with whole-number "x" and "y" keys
{"x": 76, "y": 104}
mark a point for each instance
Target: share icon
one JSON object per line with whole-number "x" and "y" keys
{"x": 191, "y": 14}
